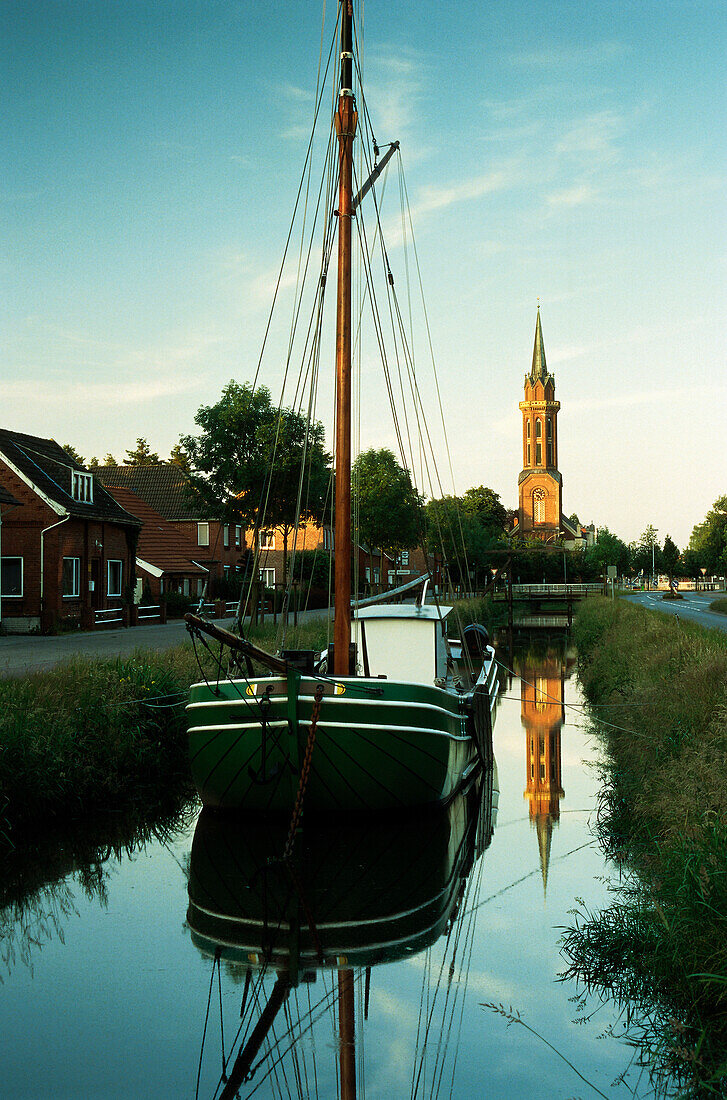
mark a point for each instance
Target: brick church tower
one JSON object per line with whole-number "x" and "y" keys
{"x": 540, "y": 485}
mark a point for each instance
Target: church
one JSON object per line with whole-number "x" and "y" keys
{"x": 540, "y": 485}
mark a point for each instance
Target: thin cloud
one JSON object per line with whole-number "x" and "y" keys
{"x": 573, "y": 196}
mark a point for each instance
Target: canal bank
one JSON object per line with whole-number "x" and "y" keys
{"x": 658, "y": 691}
{"x": 105, "y": 975}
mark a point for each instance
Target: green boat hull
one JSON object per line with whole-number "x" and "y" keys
{"x": 379, "y": 744}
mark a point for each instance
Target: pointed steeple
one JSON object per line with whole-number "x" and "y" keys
{"x": 540, "y": 367}
{"x": 544, "y": 828}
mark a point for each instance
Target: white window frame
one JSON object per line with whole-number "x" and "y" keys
{"x": 226, "y": 536}
{"x": 267, "y": 576}
{"x": 203, "y": 534}
{"x": 238, "y": 537}
{"x": 13, "y": 595}
{"x": 327, "y": 538}
{"x": 405, "y": 558}
{"x": 109, "y": 563}
{"x": 82, "y": 487}
{"x": 75, "y": 579}
{"x": 267, "y": 539}
{"x": 200, "y": 585}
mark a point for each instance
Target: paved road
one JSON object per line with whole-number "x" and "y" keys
{"x": 21, "y": 654}
{"x": 694, "y": 606}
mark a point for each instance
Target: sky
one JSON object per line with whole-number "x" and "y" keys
{"x": 572, "y": 153}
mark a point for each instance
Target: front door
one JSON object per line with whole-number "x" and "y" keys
{"x": 96, "y": 588}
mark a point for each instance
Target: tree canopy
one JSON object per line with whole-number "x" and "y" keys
{"x": 247, "y": 459}
{"x": 465, "y": 530}
{"x": 386, "y": 505}
{"x": 73, "y": 453}
{"x": 709, "y": 538}
{"x": 142, "y": 455}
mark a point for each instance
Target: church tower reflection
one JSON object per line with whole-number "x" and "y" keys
{"x": 542, "y": 695}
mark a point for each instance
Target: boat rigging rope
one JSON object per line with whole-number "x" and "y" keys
{"x": 304, "y": 774}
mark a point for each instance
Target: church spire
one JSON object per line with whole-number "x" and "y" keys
{"x": 540, "y": 367}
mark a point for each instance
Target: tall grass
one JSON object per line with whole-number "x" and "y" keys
{"x": 658, "y": 688}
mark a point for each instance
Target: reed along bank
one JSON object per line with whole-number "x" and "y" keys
{"x": 657, "y": 688}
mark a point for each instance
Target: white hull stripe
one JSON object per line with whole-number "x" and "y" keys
{"x": 240, "y": 727}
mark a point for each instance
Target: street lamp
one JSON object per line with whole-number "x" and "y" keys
{"x": 653, "y": 544}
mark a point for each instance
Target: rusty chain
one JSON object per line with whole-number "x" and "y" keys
{"x": 304, "y": 773}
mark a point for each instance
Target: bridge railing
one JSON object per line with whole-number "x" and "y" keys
{"x": 557, "y": 589}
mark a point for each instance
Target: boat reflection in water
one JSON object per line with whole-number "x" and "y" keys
{"x": 353, "y": 895}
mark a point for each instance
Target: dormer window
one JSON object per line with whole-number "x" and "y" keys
{"x": 82, "y": 487}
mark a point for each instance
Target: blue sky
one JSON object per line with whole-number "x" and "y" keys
{"x": 570, "y": 152}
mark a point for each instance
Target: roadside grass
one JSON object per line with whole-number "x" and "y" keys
{"x": 658, "y": 690}
{"x": 719, "y": 605}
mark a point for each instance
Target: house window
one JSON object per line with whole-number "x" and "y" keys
{"x": 83, "y": 487}
{"x": 267, "y": 540}
{"x": 327, "y": 538}
{"x": 267, "y": 576}
{"x": 185, "y": 586}
{"x": 405, "y": 558}
{"x": 376, "y": 575}
{"x": 11, "y": 577}
{"x": 238, "y": 537}
{"x": 226, "y": 536}
{"x": 367, "y": 574}
{"x": 71, "y": 577}
{"x": 114, "y": 569}
{"x": 200, "y": 585}
{"x": 203, "y": 534}
{"x": 226, "y": 570}
{"x": 539, "y": 496}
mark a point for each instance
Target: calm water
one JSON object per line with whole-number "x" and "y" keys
{"x": 108, "y": 985}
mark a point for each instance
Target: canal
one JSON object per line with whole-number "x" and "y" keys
{"x": 134, "y": 971}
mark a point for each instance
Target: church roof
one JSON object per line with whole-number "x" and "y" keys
{"x": 539, "y": 369}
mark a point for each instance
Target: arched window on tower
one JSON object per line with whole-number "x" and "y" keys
{"x": 538, "y": 444}
{"x": 527, "y": 448}
{"x": 539, "y": 497}
{"x": 550, "y": 441}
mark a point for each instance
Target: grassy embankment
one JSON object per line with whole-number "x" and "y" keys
{"x": 662, "y": 686}
{"x": 719, "y": 605}
{"x": 96, "y": 735}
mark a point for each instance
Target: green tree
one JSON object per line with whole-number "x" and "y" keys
{"x": 179, "y": 457}
{"x": 485, "y": 506}
{"x": 387, "y": 507}
{"x": 294, "y": 497}
{"x": 142, "y": 455}
{"x": 646, "y": 553}
{"x": 110, "y": 460}
{"x": 608, "y": 550}
{"x": 71, "y": 450}
{"x": 670, "y": 557}
{"x": 709, "y": 538}
{"x": 246, "y": 462}
{"x": 93, "y": 462}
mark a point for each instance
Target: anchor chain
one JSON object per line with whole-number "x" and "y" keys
{"x": 304, "y": 773}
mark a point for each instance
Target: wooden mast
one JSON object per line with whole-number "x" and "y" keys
{"x": 346, "y": 119}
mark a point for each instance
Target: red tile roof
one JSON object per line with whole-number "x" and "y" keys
{"x": 160, "y": 543}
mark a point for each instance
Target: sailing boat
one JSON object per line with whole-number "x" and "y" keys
{"x": 398, "y": 716}
{"x": 346, "y": 902}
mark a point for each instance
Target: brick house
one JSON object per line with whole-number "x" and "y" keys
{"x": 165, "y": 488}
{"x": 68, "y": 549}
{"x": 165, "y": 558}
